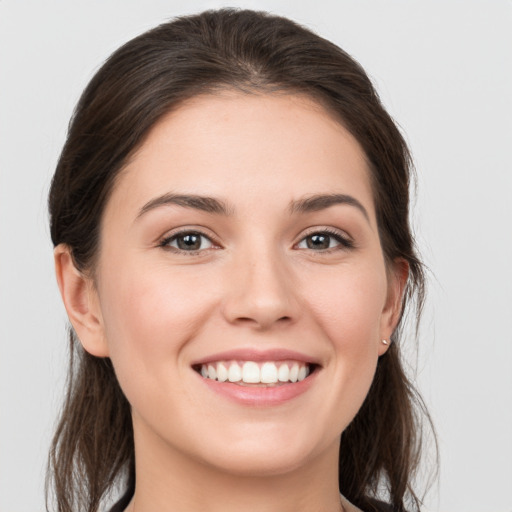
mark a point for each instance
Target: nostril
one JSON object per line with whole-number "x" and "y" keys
{"x": 263, "y": 323}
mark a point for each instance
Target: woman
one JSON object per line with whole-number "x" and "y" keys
{"x": 230, "y": 221}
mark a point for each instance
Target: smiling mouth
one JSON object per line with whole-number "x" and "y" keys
{"x": 251, "y": 373}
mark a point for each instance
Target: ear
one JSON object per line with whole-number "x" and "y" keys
{"x": 397, "y": 274}
{"x": 81, "y": 302}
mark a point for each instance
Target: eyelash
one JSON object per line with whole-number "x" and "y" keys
{"x": 344, "y": 242}
{"x": 175, "y": 236}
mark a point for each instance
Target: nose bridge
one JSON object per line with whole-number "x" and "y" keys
{"x": 260, "y": 289}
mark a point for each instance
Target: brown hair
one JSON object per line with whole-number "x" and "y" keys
{"x": 93, "y": 449}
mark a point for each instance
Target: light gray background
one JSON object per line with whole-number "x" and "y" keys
{"x": 443, "y": 68}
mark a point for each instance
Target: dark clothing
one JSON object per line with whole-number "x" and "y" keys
{"x": 123, "y": 502}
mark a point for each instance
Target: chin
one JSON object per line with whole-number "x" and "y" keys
{"x": 260, "y": 464}
{"x": 276, "y": 452}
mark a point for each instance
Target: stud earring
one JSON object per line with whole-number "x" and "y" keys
{"x": 385, "y": 342}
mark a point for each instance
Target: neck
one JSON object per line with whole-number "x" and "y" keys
{"x": 168, "y": 480}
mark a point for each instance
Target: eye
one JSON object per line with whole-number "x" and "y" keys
{"x": 324, "y": 240}
{"x": 188, "y": 241}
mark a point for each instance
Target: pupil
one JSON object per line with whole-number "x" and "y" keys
{"x": 318, "y": 242}
{"x": 189, "y": 242}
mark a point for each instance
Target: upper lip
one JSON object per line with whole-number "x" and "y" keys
{"x": 257, "y": 355}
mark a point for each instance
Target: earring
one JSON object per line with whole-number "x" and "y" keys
{"x": 385, "y": 342}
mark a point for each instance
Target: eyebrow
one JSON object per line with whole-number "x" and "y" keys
{"x": 203, "y": 203}
{"x": 322, "y": 201}
{"x": 212, "y": 205}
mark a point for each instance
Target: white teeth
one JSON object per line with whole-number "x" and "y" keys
{"x": 269, "y": 373}
{"x": 234, "y": 373}
{"x": 212, "y": 372}
{"x": 284, "y": 373}
{"x": 294, "y": 372}
{"x": 251, "y": 372}
{"x": 222, "y": 373}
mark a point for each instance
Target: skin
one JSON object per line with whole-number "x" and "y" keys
{"x": 255, "y": 283}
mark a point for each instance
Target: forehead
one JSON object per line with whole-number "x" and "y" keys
{"x": 242, "y": 146}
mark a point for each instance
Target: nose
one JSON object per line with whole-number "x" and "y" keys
{"x": 261, "y": 292}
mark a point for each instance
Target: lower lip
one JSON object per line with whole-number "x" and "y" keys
{"x": 260, "y": 396}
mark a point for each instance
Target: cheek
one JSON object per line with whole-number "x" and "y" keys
{"x": 349, "y": 305}
{"x": 348, "y": 308}
{"x": 150, "y": 315}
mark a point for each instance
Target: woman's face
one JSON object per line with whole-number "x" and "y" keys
{"x": 240, "y": 242}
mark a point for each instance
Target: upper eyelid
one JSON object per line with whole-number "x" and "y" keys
{"x": 325, "y": 229}
{"x": 200, "y": 230}
{"x": 189, "y": 229}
